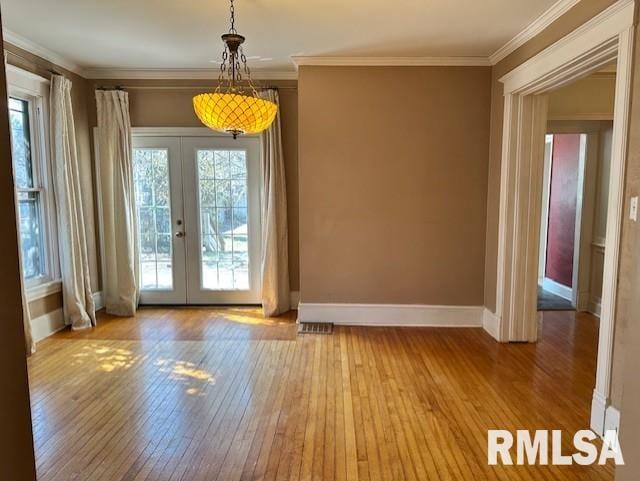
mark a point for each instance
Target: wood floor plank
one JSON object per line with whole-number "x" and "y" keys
{"x": 200, "y": 394}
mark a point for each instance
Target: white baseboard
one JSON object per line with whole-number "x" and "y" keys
{"x": 611, "y": 419}
{"x": 594, "y": 307}
{"x": 598, "y": 413}
{"x": 583, "y": 301}
{"x": 557, "y": 289}
{"x": 47, "y": 324}
{"x": 392, "y": 314}
{"x": 491, "y": 323}
{"x": 52, "y": 322}
{"x": 294, "y": 299}
{"x": 604, "y": 417}
{"x": 98, "y": 300}
{"x": 588, "y": 303}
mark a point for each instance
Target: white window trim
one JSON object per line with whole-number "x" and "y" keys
{"x": 35, "y": 89}
{"x": 44, "y": 289}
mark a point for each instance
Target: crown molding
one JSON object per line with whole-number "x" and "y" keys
{"x": 40, "y": 51}
{"x": 534, "y": 28}
{"x": 612, "y": 68}
{"x": 391, "y": 61}
{"x": 614, "y": 19}
{"x": 33, "y": 48}
{"x": 178, "y": 74}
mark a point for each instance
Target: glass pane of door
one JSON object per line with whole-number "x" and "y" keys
{"x": 158, "y": 186}
{"x": 222, "y": 188}
{"x": 222, "y": 217}
{"x": 151, "y": 177}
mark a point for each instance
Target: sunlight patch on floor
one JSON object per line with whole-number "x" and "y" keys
{"x": 188, "y": 373}
{"x": 252, "y": 317}
{"x": 105, "y": 358}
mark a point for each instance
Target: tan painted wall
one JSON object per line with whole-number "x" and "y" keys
{"x": 590, "y": 98}
{"x": 393, "y": 166}
{"x": 600, "y": 215}
{"x": 167, "y": 103}
{"x": 16, "y": 441}
{"x": 42, "y": 306}
{"x": 626, "y": 382}
{"x": 626, "y": 308}
{"x": 37, "y": 65}
{"x": 630, "y": 398}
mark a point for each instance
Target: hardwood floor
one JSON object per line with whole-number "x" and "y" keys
{"x": 201, "y": 395}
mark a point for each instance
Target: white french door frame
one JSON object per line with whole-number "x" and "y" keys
{"x": 605, "y": 38}
{"x": 180, "y": 132}
{"x": 544, "y": 217}
{"x": 196, "y": 293}
{"x": 185, "y": 133}
{"x": 178, "y": 293}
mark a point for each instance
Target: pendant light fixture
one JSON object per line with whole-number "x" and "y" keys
{"x": 234, "y": 106}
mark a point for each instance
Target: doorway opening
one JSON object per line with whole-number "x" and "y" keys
{"x": 576, "y": 172}
{"x": 560, "y": 224}
{"x": 198, "y": 219}
{"x": 574, "y": 214}
{"x": 606, "y": 38}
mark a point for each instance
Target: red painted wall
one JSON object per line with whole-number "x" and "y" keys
{"x": 563, "y": 196}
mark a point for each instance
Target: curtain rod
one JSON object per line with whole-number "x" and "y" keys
{"x": 31, "y": 61}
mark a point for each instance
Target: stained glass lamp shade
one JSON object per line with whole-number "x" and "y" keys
{"x": 235, "y": 106}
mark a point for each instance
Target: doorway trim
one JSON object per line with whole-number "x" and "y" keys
{"x": 605, "y": 38}
{"x": 180, "y": 132}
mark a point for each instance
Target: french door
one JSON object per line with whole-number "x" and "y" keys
{"x": 198, "y": 214}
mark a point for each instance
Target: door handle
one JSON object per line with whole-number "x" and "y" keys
{"x": 180, "y": 234}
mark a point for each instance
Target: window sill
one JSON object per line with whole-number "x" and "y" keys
{"x": 45, "y": 289}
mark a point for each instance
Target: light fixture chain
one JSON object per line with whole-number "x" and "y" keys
{"x": 238, "y": 72}
{"x": 245, "y": 66}
{"x": 223, "y": 65}
{"x": 233, "y": 18}
{"x": 243, "y": 58}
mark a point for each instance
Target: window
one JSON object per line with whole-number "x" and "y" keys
{"x": 36, "y": 224}
{"x": 29, "y": 192}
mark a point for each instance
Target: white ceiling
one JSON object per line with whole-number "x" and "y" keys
{"x": 185, "y": 34}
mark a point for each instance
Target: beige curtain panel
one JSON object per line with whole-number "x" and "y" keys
{"x": 77, "y": 295}
{"x": 26, "y": 314}
{"x": 275, "y": 244}
{"x": 118, "y": 203}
